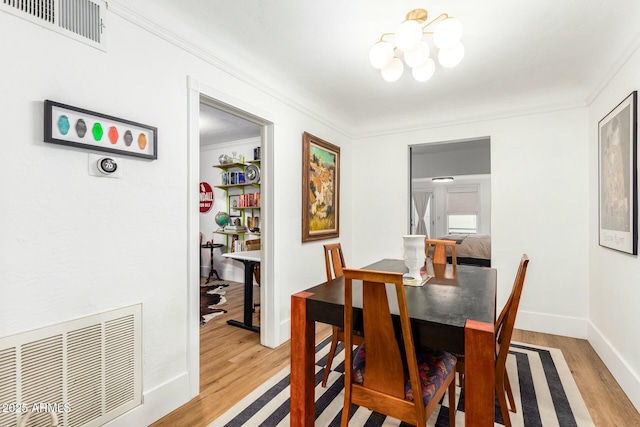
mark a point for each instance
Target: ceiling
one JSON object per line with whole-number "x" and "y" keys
{"x": 521, "y": 56}
{"x": 218, "y": 126}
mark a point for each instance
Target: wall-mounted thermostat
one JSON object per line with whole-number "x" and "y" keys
{"x": 105, "y": 166}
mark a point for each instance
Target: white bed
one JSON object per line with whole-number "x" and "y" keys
{"x": 474, "y": 249}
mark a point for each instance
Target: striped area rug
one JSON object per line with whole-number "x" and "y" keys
{"x": 544, "y": 390}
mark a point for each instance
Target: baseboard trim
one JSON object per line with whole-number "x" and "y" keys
{"x": 625, "y": 376}
{"x": 285, "y": 331}
{"x": 552, "y": 324}
{"x": 156, "y": 403}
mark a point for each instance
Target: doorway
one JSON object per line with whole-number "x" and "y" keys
{"x": 199, "y": 94}
{"x": 423, "y": 209}
{"x": 226, "y": 138}
{"x": 450, "y": 188}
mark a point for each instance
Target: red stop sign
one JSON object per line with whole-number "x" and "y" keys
{"x": 206, "y": 197}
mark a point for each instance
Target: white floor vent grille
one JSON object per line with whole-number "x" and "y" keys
{"x": 88, "y": 370}
{"x": 83, "y": 20}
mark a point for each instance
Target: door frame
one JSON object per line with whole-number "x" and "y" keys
{"x": 269, "y": 304}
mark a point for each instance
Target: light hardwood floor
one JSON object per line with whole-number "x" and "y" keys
{"x": 233, "y": 363}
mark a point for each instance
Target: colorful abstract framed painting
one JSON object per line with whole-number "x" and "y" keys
{"x": 618, "y": 177}
{"x": 77, "y": 127}
{"x": 320, "y": 189}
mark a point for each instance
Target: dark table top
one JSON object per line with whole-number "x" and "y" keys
{"x": 439, "y": 309}
{"x": 212, "y": 246}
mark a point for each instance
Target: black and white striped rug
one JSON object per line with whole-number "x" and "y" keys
{"x": 544, "y": 390}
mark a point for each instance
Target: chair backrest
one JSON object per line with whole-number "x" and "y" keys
{"x": 439, "y": 255}
{"x": 384, "y": 366}
{"x": 333, "y": 260}
{"x": 507, "y": 318}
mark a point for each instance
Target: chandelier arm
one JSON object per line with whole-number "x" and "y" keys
{"x": 434, "y": 22}
{"x": 386, "y": 35}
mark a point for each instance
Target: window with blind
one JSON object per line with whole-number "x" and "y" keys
{"x": 462, "y": 210}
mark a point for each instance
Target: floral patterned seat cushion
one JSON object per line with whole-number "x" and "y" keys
{"x": 433, "y": 367}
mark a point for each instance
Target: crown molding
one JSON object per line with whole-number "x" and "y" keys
{"x": 500, "y": 114}
{"x": 200, "y": 52}
{"x": 344, "y": 129}
{"x": 615, "y": 69}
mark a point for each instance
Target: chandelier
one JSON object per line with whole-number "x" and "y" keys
{"x": 407, "y": 42}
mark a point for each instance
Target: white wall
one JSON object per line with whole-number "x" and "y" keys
{"x": 614, "y": 291}
{"x": 227, "y": 269}
{"x": 73, "y": 245}
{"x": 533, "y": 159}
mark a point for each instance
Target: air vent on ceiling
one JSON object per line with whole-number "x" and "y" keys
{"x": 83, "y": 20}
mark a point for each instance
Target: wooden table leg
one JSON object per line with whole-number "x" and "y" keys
{"x": 302, "y": 362}
{"x": 479, "y": 382}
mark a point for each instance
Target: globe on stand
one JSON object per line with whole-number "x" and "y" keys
{"x": 222, "y": 219}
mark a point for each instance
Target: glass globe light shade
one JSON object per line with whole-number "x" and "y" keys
{"x": 447, "y": 33}
{"x": 451, "y": 56}
{"x": 380, "y": 54}
{"x": 425, "y": 71}
{"x": 408, "y": 34}
{"x": 393, "y": 70}
{"x": 417, "y": 56}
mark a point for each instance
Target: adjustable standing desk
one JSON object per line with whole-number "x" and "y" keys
{"x": 250, "y": 259}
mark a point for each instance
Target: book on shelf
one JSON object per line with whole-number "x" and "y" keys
{"x": 239, "y": 246}
{"x": 249, "y": 200}
{"x": 232, "y": 178}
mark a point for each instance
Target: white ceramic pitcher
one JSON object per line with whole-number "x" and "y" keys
{"x": 414, "y": 255}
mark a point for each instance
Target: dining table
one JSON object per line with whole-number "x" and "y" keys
{"x": 454, "y": 311}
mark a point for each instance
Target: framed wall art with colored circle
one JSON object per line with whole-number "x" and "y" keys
{"x": 77, "y": 127}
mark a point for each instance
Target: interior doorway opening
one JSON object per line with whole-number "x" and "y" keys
{"x": 201, "y": 96}
{"x": 227, "y": 140}
{"x": 450, "y": 194}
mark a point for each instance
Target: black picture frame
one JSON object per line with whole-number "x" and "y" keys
{"x": 80, "y": 128}
{"x": 234, "y": 200}
{"x": 618, "y": 177}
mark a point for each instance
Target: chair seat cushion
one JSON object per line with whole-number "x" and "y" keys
{"x": 434, "y": 367}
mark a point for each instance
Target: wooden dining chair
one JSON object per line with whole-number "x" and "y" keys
{"x": 375, "y": 376}
{"x": 439, "y": 254}
{"x": 504, "y": 331}
{"x": 334, "y": 264}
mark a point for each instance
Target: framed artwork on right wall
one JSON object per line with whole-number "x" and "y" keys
{"x": 618, "y": 177}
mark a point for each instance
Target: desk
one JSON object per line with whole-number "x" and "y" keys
{"x": 212, "y": 270}
{"x": 454, "y": 314}
{"x": 250, "y": 259}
